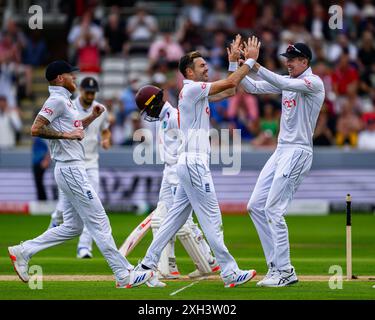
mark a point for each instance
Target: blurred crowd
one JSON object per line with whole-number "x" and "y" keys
{"x": 343, "y": 58}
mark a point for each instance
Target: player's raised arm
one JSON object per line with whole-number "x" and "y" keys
{"x": 251, "y": 53}
{"x": 297, "y": 57}
{"x": 234, "y": 53}
{"x": 96, "y": 112}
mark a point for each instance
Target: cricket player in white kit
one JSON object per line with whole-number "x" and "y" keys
{"x": 196, "y": 189}
{"x": 96, "y": 134}
{"x": 151, "y": 103}
{"x": 302, "y": 97}
{"x": 60, "y": 122}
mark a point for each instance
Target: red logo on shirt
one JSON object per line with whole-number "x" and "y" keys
{"x": 47, "y": 110}
{"x": 289, "y": 103}
{"x": 308, "y": 83}
{"x": 78, "y": 124}
{"x": 204, "y": 85}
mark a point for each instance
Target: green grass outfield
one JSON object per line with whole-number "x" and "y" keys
{"x": 316, "y": 244}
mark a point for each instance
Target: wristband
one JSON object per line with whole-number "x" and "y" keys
{"x": 250, "y": 63}
{"x": 233, "y": 66}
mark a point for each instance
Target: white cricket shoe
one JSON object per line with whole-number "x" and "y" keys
{"x": 238, "y": 278}
{"x": 154, "y": 282}
{"x": 84, "y": 253}
{"x": 271, "y": 271}
{"x": 20, "y": 264}
{"x": 134, "y": 279}
{"x": 214, "y": 269}
{"x": 281, "y": 278}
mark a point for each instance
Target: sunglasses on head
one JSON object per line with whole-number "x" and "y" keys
{"x": 292, "y": 48}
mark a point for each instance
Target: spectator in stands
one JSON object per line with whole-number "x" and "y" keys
{"x": 366, "y": 138}
{"x": 344, "y": 75}
{"x": 268, "y": 21}
{"x": 317, "y": 24}
{"x": 86, "y": 33}
{"x": 245, "y": 13}
{"x": 189, "y": 36}
{"x": 267, "y": 128}
{"x": 114, "y": 33}
{"x": 217, "y": 54}
{"x": 10, "y": 124}
{"x": 17, "y": 36}
{"x": 141, "y": 26}
{"x": 366, "y": 54}
{"x": 367, "y": 81}
{"x": 348, "y": 126}
{"x": 294, "y": 12}
{"x": 35, "y": 53}
{"x": 128, "y": 96}
{"x": 141, "y": 29}
{"x": 323, "y": 135}
{"x": 165, "y": 47}
{"x": 339, "y": 46}
{"x": 220, "y": 19}
{"x": 88, "y": 52}
{"x": 243, "y": 113}
{"x": 40, "y": 161}
{"x": 193, "y": 11}
{"x": 8, "y": 70}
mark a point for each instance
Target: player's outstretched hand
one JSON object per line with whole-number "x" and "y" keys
{"x": 251, "y": 48}
{"x": 77, "y": 134}
{"x": 234, "y": 51}
{"x": 97, "y": 110}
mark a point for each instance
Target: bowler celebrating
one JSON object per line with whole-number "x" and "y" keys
{"x": 196, "y": 189}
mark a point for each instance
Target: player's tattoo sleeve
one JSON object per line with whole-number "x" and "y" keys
{"x": 40, "y": 129}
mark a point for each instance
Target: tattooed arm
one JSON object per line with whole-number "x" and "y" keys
{"x": 40, "y": 129}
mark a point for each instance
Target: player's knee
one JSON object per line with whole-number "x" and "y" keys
{"x": 253, "y": 207}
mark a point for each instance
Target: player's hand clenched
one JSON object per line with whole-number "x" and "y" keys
{"x": 251, "y": 50}
{"x": 97, "y": 110}
{"x": 77, "y": 134}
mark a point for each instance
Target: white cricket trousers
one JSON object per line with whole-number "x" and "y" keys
{"x": 82, "y": 207}
{"x": 167, "y": 193}
{"x": 195, "y": 191}
{"x": 272, "y": 194}
{"x": 85, "y": 240}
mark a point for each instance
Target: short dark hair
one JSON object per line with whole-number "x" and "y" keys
{"x": 187, "y": 61}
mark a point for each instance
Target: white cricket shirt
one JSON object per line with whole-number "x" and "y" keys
{"x": 194, "y": 116}
{"x": 301, "y": 101}
{"x": 91, "y": 141}
{"x": 63, "y": 116}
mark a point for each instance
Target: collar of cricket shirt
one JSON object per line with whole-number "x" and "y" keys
{"x": 186, "y": 81}
{"x": 307, "y": 72}
{"x": 60, "y": 90}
